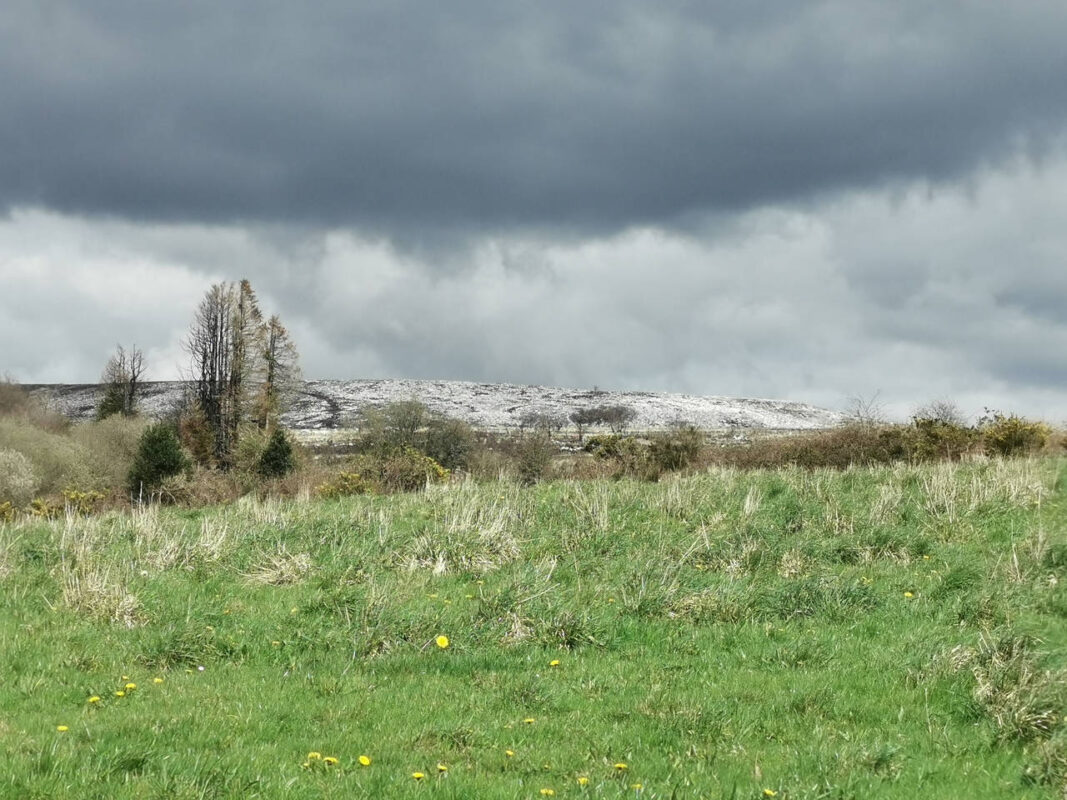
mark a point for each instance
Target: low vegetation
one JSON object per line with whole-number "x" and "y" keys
{"x": 889, "y": 631}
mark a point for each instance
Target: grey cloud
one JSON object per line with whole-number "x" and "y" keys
{"x": 418, "y": 121}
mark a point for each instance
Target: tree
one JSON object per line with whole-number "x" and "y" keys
{"x": 277, "y": 458}
{"x": 159, "y": 455}
{"x": 121, "y": 378}
{"x": 582, "y": 419}
{"x": 243, "y": 368}
{"x": 281, "y": 372}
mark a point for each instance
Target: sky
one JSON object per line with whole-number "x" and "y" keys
{"x": 814, "y": 200}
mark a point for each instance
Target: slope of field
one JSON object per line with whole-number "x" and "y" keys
{"x": 331, "y": 405}
{"x": 886, "y": 633}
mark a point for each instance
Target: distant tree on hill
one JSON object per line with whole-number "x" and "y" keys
{"x": 122, "y": 379}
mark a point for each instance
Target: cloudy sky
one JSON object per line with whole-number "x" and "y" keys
{"x": 801, "y": 200}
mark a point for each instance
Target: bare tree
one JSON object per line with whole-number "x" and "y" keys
{"x": 618, "y": 417}
{"x": 122, "y": 379}
{"x": 943, "y": 411}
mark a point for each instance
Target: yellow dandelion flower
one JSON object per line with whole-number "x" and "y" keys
{"x": 314, "y": 756}
{"x": 364, "y": 760}
{"x": 509, "y": 753}
{"x": 276, "y": 643}
{"x": 306, "y": 765}
{"x": 548, "y": 792}
{"x": 442, "y": 641}
{"x": 442, "y": 767}
{"x": 120, "y": 693}
{"x": 62, "y": 728}
{"x": 637, "y": 786}
{"x": 157, "y": 681}
{"x": 611, "y": 599}
{"x": 130, "y": 687}
{"x": 470, "y": 596}
{"x": 329, "y": 761}
{"x": 125, "y": 677}
{"x": 554, "y": 662}
{"x": 432, "y": 596}
{"x": 926, "y": 558}
{"x": 770, "y": 793}
{"x": 417, "y": 776}
{"x": 94, "y": 699}
{"x": 480, "y": 583}
{"x": 529, "y": 720}
{"x": 583, "y": 781}
{"x": 621, "y": 766}
{"x": 909, "y": 594}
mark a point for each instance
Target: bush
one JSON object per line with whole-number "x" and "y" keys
{"x": 394, "y": 426}
{"x": 58, "y": 461}
{"x": 408, "y": 470}
{"x": 112, "y": 445}
{"x": 449, "y": 442}
{"x": 676, "y": 449}
{"x": 534, "y": 458}
{"x": 1011, "y": 435}
{"x": 941, "y": 438}
{"x": 343, "y": 485}
{"x": 837, "y": 448}
{"x": 159, "y": 456}
{"x": 277, "y": 458}
{"x": 18, "y": 484}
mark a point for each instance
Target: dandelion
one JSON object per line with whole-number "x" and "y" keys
{"x": 509, "y": 753}
{"x": 770, "y": 793}
{"x": 364, "y": 761}
{"x": 120, "y": 693}
{"x": 442, "y": 641}
{"x": 470, "y": 597}
{"x": 926, "y": 558}
{"x": 637, "y": 786}
{"x": 276, "y": 643}
{"x": 480, "y": 583}
{"x": 329, "y": 761}
{"x": 125, "y": 677}
{"x": 62, "y": 728}
{"x": 554, "y": 662}
{"x": 157, "y": 681}
{"x": 583, "y": 781}
{"x": 611, "y": 599}
{"x": 417, "y": 776}
{"x": 909, "y": 594}
{"x": 314, "y": 756}
{"x": 548, "y": 792}
{"x": 130, "y": 687}
{"x": 621, "y": 766}
{"x": 432, "y": 596}
{"x": 529, "y": 720}
{"x": 442, "y": 768}
{"x": 94, "y": 699}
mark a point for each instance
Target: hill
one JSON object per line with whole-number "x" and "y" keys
{"x": 323, "y": 406}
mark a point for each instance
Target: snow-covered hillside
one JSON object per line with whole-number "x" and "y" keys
{"x": 332, "y": 405}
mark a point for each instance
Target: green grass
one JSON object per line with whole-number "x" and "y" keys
{"x": 890, "y": 633}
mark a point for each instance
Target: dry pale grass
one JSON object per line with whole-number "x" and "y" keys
{"x": 92, "y": 592}
{"x": 280, "y": 568}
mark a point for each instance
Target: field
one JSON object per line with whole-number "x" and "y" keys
{"x": 893, "y": 632}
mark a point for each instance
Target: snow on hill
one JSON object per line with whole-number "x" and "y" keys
{"x": 332, "y": 405}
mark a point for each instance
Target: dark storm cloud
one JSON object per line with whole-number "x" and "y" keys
{"x": 413, "y": 119}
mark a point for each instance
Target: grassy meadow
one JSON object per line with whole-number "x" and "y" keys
{"x": 887, "y": 632}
